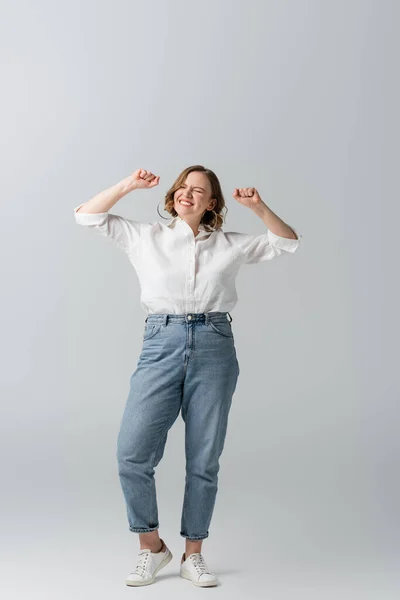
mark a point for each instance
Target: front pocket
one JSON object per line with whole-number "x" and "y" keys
{"x": 222, "y": 327}
{"x": 150, "y": 330}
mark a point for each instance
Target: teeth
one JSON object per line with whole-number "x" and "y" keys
{"x": 185, "y": 203}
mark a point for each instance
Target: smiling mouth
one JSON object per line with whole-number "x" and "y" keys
{"x": 185, "y": 203}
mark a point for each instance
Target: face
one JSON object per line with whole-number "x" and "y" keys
{"x": 197, "y": 191}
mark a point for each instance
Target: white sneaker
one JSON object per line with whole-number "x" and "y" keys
{"x": 195, "y": 569}
{"x": 148, "y": 565}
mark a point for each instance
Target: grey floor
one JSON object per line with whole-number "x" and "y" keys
{"x": 92, "y": 560}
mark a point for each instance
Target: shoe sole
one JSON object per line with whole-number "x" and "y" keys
{"x": 198, "y": 583}
{"x": 162, "y": 564}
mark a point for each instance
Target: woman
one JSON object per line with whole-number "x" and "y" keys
{"x": 187, "y": 270}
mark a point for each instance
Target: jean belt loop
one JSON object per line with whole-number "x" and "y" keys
{"x": 230, "y": 320}
{"x": 146, "y": 319}
{"x": 165, "y": 320}
{"x": 207, "y": 318}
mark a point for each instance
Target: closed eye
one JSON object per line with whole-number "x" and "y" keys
{"x": 198, "y": 189}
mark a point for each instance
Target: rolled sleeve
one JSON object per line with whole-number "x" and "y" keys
{"x": 125, "y": 233}
{"x": 265, "y": 246}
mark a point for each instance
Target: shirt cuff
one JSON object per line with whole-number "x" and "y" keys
{"x": 89, "y": 218}
{"x": 288, "y": 244}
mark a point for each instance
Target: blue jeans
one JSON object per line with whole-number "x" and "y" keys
{"x": 188, "y": 363}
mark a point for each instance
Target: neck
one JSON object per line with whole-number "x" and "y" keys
{"x": 193, "y": 226}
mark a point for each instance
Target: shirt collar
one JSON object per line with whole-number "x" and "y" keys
{"x": 178, "y": 221}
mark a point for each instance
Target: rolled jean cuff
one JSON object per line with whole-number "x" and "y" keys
{"x": 143, "y": 529}
{"x": 194, "y": 537}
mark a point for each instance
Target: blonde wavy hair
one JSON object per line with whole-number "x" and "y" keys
{"x": 212, "y": 219}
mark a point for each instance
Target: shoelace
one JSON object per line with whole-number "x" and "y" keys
{"x": 199, "y": 562}
{"x": 142, "y": 563}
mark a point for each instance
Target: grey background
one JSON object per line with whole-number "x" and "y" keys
{"x": 298, "y": 99}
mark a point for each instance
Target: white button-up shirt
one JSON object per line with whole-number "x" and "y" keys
{"x": 182, "y": 273}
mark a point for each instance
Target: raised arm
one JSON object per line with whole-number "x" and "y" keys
{"x": 95, "y": 214}
{"x": 106, "y": 199}
{"x": 278, "y": 238}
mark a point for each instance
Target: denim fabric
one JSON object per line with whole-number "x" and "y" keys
{"x": 188, "y": 363}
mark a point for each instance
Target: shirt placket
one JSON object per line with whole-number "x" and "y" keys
{"x": 191, "y": 266}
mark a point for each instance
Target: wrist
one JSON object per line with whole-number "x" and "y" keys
{"x": 128, "y": 185}
{"x": 260, "y": 209}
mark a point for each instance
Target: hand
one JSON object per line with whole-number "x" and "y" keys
{"x": 247, "y": 196}
{"x": 144, "y": 179}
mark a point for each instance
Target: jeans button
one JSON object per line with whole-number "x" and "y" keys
{"x": 189, "y": 317}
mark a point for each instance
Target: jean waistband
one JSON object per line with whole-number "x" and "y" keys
{"x": 163, "y": 318}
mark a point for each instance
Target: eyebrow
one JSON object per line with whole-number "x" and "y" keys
{"x": 198, "y": 186}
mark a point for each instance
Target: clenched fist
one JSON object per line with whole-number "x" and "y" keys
{"x": 144, "y": 179}
{"x": 247, "y": 196}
